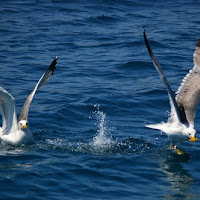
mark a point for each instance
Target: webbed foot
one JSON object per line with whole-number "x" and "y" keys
{"x": 193, "y": 139}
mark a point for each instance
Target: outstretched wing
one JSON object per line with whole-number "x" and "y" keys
{"x": 45, "y": 77}
{"x": 8, "y": 110}
{"x": 188, "y": 94}
{"x": 163, "y": 78}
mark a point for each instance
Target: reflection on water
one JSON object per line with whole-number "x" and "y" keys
{"x": 6, "y": 150}
{"x": 179, "y": 179}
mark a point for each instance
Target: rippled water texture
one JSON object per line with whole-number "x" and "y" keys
{"x": 89, "y": 120}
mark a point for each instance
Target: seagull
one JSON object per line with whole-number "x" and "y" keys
{"x": 180, "y": 125}
{"x": 16, "y": 132}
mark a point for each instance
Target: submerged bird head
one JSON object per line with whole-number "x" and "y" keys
{"x": 23, "y": 124}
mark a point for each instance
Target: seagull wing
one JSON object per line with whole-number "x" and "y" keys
{"x": 9, "y": 114}
{"x": 188, "y": 94}
{"x": 45, "y": 77}
{"x": 163, "y": 78}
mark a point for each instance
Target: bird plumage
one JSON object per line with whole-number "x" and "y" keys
{"x": 180, "y": 125}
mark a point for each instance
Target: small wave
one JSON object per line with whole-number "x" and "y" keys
{"x": 134, "y": 65}
{"x": 102, "y": 18}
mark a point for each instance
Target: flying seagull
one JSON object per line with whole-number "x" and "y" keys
{"x": 180, "y": 125}
{"x": 16, "y": 132}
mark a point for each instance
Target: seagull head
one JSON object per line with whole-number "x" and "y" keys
{"x": 191, "y": 133}
{"x": 23, "y": 124}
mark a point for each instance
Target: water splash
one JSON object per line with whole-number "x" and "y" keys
{"x": 103, "y": 137}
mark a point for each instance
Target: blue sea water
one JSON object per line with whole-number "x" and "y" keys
{"x": 89, "y": 120}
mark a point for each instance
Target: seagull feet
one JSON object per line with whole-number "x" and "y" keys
{"x": 178, "y": 151}
{"x": 193, "y": 139}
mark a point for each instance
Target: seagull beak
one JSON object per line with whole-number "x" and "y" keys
{"x": 25, "y": 126}
{"x": 193, "y": 139}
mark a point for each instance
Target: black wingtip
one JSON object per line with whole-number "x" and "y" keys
{"x": 146, "y": 42}
{"x": 53, "y": 65}
{"x": 144, "y": 34}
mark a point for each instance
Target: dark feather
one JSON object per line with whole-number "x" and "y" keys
{"x": 179, "y": 111}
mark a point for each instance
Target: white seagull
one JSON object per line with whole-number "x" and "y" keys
{"x": 16, "y": 132}
{"x": 180, "y": 125}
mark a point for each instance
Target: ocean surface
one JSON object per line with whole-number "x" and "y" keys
{"x": 88, "y": 121}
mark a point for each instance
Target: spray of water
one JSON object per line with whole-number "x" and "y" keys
{"x": 103, "y": 137}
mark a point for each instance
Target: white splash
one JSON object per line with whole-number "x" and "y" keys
{"x": 103, "y": 137}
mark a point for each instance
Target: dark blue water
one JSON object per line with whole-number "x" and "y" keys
{"x": 89, "y": 120}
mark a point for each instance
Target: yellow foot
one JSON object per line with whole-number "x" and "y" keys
{"x": 193, "y": 139}
{"x": 179, "y": 152}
